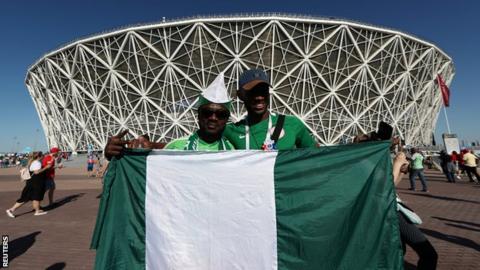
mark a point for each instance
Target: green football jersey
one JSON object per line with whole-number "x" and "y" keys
{"x": 294, "y": 134}
{"x": 182, "y": 144}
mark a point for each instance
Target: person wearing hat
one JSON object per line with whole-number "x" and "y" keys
{"x": 50, "y": 173}
{"x": 213, "y": 113}
{"x": 261, "y": 129}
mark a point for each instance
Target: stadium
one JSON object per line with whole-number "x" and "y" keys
{"x": 340, "y": 77}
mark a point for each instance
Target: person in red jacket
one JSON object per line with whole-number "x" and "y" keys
{"x": 455, "y": 159}
{"x": 50, "y": 174}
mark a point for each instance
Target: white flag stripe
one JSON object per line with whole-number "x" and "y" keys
{"x": 217, "y": 219}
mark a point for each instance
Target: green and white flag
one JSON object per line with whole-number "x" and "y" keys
{"x": 326, "y": 208}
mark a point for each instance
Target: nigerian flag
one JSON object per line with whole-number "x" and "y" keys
{"x": 326, "y": 208}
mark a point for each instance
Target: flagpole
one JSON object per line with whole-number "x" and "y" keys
{"x": 446, "y": 119}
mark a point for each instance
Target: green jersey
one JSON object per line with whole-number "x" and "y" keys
{"x": 294, "y": 134}
{"x": 193, "y": 142}
{"x": 417, "y": 161}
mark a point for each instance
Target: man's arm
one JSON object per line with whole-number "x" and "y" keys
{"x": 400, "y": 165}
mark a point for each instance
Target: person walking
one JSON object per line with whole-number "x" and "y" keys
{"x": 470, "y": 165}
{"x": 456, "y": 161}
{"x": 34, "y": 189}
{"x": 451, "y": 169}
{"x": 50, "y": 173}
{"x": 417, "y": 170}
{"x": 90, "y": 165}
{"x": 461, "y": 162}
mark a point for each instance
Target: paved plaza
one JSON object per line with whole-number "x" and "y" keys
{"x": 61, "y": 239}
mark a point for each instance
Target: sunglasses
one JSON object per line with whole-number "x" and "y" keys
{"x": 221, "y": 114}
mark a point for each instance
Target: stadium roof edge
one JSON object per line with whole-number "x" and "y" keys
{"x": 229, "y": 18}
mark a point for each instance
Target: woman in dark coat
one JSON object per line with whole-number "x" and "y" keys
{"x": 34, "y": 187}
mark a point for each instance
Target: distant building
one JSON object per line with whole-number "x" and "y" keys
{"x": 340, "y": 77}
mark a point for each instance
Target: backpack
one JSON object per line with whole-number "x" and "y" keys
{"x": 25, "y": 174}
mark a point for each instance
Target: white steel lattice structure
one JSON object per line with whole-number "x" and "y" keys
{"x": 339, "y": 77}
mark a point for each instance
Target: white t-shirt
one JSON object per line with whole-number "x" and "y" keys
{"x": 36, "y": 165}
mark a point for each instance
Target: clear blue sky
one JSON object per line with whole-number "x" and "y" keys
{"x": 30, "y": 29}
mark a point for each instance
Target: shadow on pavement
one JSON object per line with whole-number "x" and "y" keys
{"x": 458, "y": 221}
{"x": 20, "y": 245}
{"x": 452, "y": 239}
{"x": 462, "y": 227}
{"x": 56, "y": 266}
{"x": 24, "y": 213}
{"x": 63, "y": 201}
{"x": 441, "y": 197}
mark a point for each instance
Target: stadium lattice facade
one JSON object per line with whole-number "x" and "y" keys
{"x": 340, "y": 77}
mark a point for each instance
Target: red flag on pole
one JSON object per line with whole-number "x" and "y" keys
{"x": 445, "y": 91}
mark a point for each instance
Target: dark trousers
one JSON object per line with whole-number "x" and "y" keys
{"x": 413, "y": 175}
{"x": 451, "y": 177}
{"x": 470, "y": 171}
{"x": 412, "y": 236}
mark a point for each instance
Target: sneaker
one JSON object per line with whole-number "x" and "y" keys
{"x": 458, "y": 177}
{"x": 412, "y": 189}
{"x": 424, "y": 190}
{"x": 41, "y": 213}
{"x": 10, "y": 213}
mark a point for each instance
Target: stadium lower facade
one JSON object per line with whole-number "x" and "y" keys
{"x": 340, "y": 77}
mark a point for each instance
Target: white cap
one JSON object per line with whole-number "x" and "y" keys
{"x": 216, "y": 92}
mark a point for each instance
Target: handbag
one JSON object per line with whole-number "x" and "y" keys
{"x": 25, "y": 174}
{"x": 407, "y": 212}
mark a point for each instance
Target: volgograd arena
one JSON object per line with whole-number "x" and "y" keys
{"x": 340, "y": 77}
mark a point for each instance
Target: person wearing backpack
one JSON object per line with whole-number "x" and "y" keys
{"x": 34, "y": 187}
{"x": 262, "y": 129}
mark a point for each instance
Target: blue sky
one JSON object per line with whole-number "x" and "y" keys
{"x": 29, "y": 29}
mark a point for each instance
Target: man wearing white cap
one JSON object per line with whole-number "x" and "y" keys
{"x": 213, "y": 113}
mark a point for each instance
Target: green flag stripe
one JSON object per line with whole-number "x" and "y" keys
{"x": 336, "y": 209}
{"x": 119, "y": 235}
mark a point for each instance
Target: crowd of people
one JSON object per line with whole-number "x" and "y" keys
{"x": 21, "y": 159}
{"x": 13, "y": 160}
{"x": 96, "y": 165}
{"x": 456, "y": 165}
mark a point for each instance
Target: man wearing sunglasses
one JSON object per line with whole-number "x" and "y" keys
{"x": 261, "y": 129}
{"x": 213, "y": 114}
